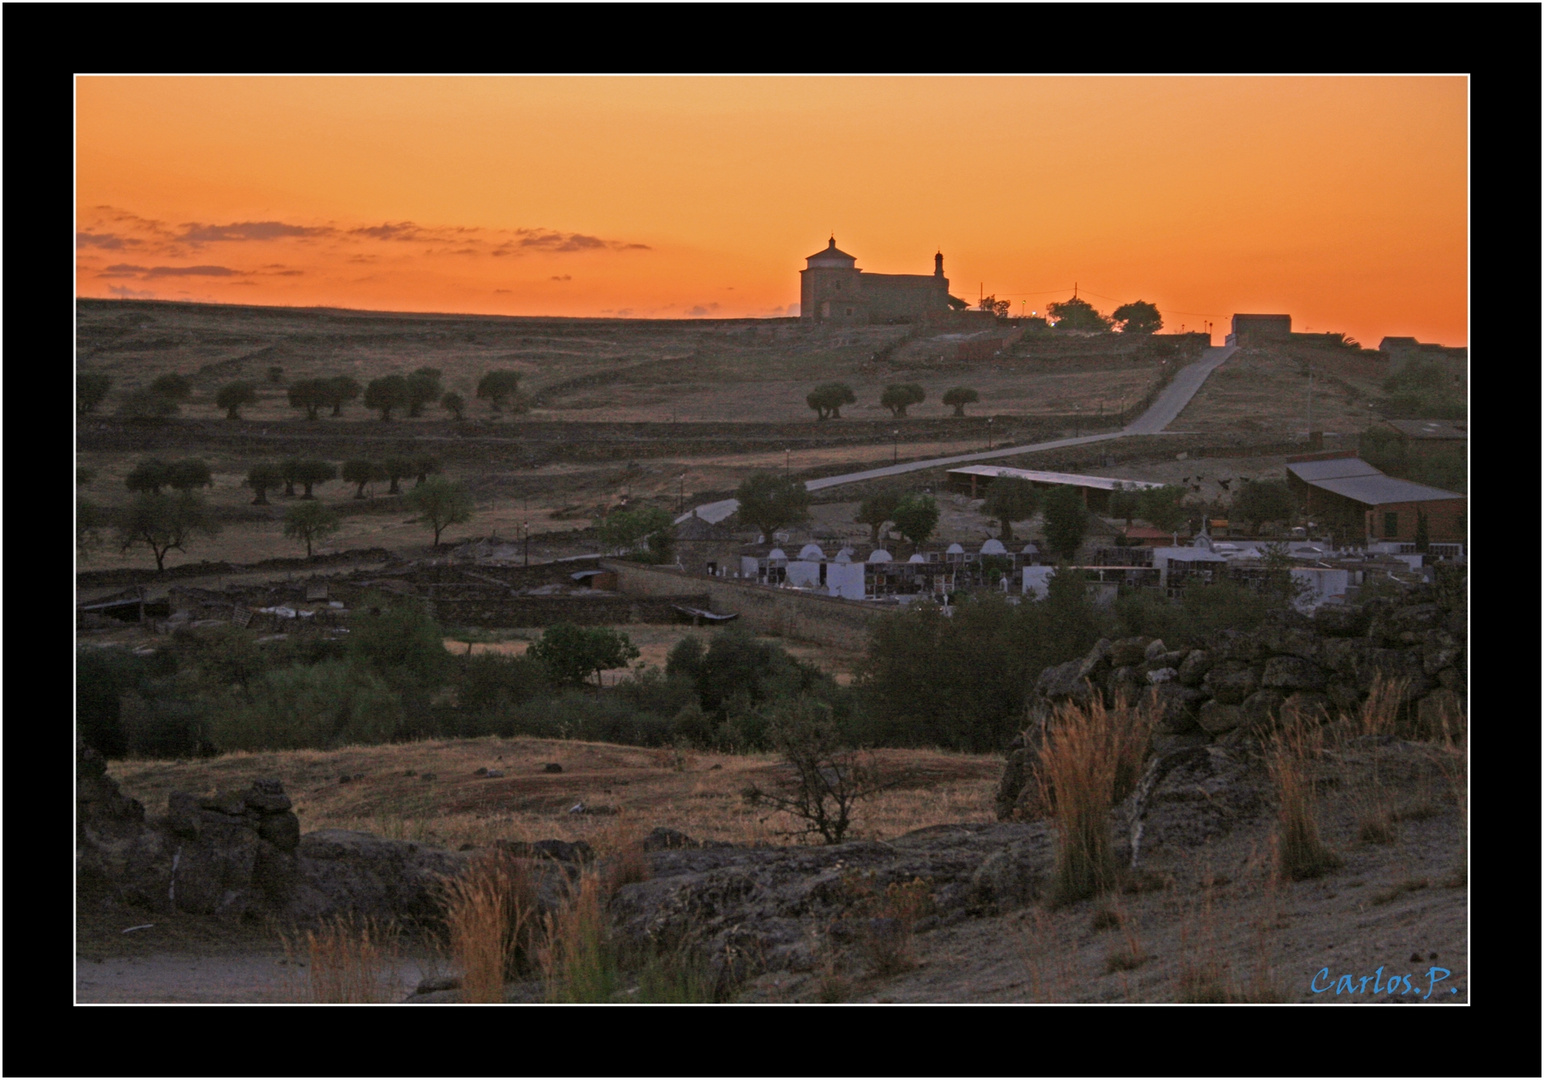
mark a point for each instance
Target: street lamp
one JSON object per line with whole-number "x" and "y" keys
{"x": 527, "y": 527}
{"x": 989, "y": 420}
{"x": 895, "y": 447}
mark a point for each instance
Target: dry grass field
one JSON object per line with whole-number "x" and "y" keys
{"x": 1264, "y": 391}
{"x": 629, "y": 791}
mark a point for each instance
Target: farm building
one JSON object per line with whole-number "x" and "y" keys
{"x": 833, "y": 289}
{"x": 1358, "y": 498}
{"x": 973, "y": 480}
{"x": 1251, "y": 328}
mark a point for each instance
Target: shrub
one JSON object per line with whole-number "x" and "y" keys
{"x": 1076, "y": 777}
{"x": 1300, "y": 854}
{"x": 321, "y": 707}
{"x": 592, "y": 718}
{"x": 573, "y": 653}
{"x": 350, "y": 961}
{"x": 401, "y": 642}
{"x": 578, "y": 959}
{"x": 493, "y": 683}
{"x": 490, "y": 917}
{"x": 825, "y": 781}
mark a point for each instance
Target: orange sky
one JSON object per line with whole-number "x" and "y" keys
{"x": 1340, "y": 200}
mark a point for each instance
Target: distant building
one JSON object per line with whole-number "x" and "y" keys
{"x": 973, "y": 480}
{"x": 1401, "y": 350}
{"x": 1356, "y": 497}
{"x": 833, "y": 289}
{"x": 1251, "y": 328}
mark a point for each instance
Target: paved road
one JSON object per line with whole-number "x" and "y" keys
{"x": 1170, "y": 403}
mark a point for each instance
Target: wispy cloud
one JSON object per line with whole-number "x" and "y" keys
{"x": 562, "y": 277}
{"x": 402, "y": 230}
{"x": 125, "y": 293}
{"x": 106, "y": 240}
{"x": 196, "y": 233}
{"x": 703, "y": 309}
{"x": 145, "y": 272}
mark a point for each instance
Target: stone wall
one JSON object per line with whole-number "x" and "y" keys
{"x": 1236, "y": 685}
{"x": 763, "y": 609}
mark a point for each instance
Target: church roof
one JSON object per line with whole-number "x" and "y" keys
{"x": 831, "y": 251}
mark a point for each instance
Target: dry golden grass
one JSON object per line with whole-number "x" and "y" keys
{"x": 1300, "y": 854}
{"x": 1092, "y": 758}
{"x": 392, "y": 795}
{"x": 349, "y": 961}
{"x": 490, "y": 914}
{"x": 578, "y": 960}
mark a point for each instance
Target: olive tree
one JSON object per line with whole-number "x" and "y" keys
{"x": 769, "y": 501}
{"x": 90, "y": 388}
{"x": 310, "y": 523}
{"x": 1010, "y": 499}
{"x": 386, "y": 394}
{"x": 876, "y": 510}
{"x": 163, "y": 523}
{"x": 441, "y": 504}
{"x": 260, "y": 478}
{"x": 827, "y": 399}
{"x": 900, "y": 396}
{"x": 959, "y": 397}
{"x": 232, "y": 396}
{"x": 500, "y": 389}
{"x": 362, "y": 472}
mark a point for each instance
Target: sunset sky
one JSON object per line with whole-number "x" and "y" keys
{"x": 1342, "y": 201}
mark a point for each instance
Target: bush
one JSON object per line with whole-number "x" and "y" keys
{"x": 573, "y": 653}
{"x": 825, "y": 780}
{"x": 492, "y": 683}
{"x": 401, "y": 642}
{"x": 575, "y": 714}
{"x": 331, "y": 704}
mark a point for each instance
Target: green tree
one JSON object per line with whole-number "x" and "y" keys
{"x": 959, "y": 397}
{"x": 232, "y": 396}
{"x": 172, "y": 386}
{"x": 827, "y": 399}
{"x": 425, "y": 465}
{"x": 1137, "y": 317}
{"x": 624, "y": 530}
{"x": 997, "y": 307}
{"x": 260, "y": 478}
{"x": 442, "y": 503}
{"x": 572, "y": 654}
{"x": 386, "y": 394}
{"x": 1162, "y": 507}
{"x": 312, "y": 471}
{"x": 317, "y": 707}
{"x": 500, "y": 389}
{"x": 1010, "y": 499}
{"x": 1125, "y": 502}
{"x": 397, "y": 467}
{"x": 310, "y": 523}
{"x": 1066, "y": 520}
{"x": 898, "y": 397}
{"x": 163, "y": 523}
{"x": 189, "y": 473}
{"x": 310, "y": 395}
{"x": 90, "y": 388}
{"x": 423, "y": 386}
{"x": 289, "y": 472}
{"x": 1076, "y": 314}
{"x": 338, "y": 391}
{"x": 1259, "y": 501}
{"x": 454, "y": 404}
{"x": 769, "y": 501}
{"x": 916, "y": 517}
{"x": 400, "y": 641}
{"x": 149, "y": 475}
{"x": 876, "y": 510}
{"x": 361, "y": 472}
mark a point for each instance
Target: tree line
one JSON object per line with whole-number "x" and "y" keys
{"x": 164, "y": 396}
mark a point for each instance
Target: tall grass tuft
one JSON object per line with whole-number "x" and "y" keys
{"x": 1092, "y": 757}
{"x": 490, "y": 913}
{"x": 1381, "y": 711}
{"x": 1300, "y": 854}
{"x": 578, "y": 959}
{"x": 351, "y": 961}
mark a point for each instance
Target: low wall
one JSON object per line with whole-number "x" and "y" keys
{"x": 549, "y": 610}
{"x": 764, "y": 609}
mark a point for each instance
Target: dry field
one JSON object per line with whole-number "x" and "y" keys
{"x": 1264, "y": 391}
{"x": 630, "y": 790}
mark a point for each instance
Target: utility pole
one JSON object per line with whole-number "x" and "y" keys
{"x": 1310, "y": 401}
{"x": 895, "y": 447}
{"x": 527, "y": 527}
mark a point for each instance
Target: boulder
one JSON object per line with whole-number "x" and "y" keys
{"x": 1175, "y": 709}
{"x": 281, "y": 830}
{"x": 1262, "y": 708}
{"x": 1195, "y": 667}
{"x": 1014, "y": 876}
{"x": 1128, "y": 652}
{"x": 1344, "y": 700}
{"x": 1231, "y": 681}
{"x": 664, "y": 839}
{"x": 1216, "y": 718}
{"x": 1187, "y": 797}
{"x": 1291, "y": 641}
{"x": 1162, "y": 675}
{"x": 1292, "y": 673}
{"x": 1439, "y": 650}
{"x": 340, "y": 872}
